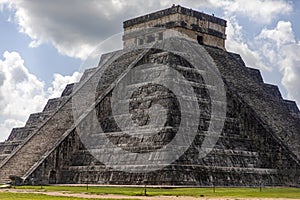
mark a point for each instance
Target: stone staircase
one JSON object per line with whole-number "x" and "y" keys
{"x": 51, "y": 129}
{"x": 246, "y": 153}
{"x": 19, "y": 136}
{"x": 249, "y": 152}
{"x": 54, "y": 124}
{"x": 280, "y": 115}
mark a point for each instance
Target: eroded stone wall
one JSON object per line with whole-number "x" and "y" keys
{"x": 246, "y": 154}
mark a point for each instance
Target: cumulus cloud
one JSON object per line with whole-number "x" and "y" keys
{"x": 60, "y": 82}
{"x": 18, "y": 84}
{"x": 236, "y": 42}
{"x": 260, "y": 11}
{"x": 6, "y": 125}
{"x": 282, "y": 34}
{"x": 282, "y": 50}
{"x": 22, "y": 93}
{"x": 290, "y": 67}
{"x": 75, "y": 30}
{"x": 74, "y": 27}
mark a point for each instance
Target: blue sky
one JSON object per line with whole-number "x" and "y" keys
{"x": 42, "y": 61}
{"x": 43, "y": 43}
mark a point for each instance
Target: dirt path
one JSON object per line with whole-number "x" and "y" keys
{"x": 108, "y": 196}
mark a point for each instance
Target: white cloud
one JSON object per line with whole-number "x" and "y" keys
{"x": 282, "y": 34}
{"x": 60, "y": 82}
{"x": 281, "y": 49}
{"x": 260, "y": 11}
{"x": 290, "y": 67}
{"x": 237, "y": 43}
{"x": 6, "y": 125}
{"x": 19, "y": 87}
{"x": 75, "y": 27}
{"x": 75, "y": 30}
{"x": 22, "y": 93}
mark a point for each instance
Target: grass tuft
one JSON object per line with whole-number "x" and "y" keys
{"x": 196, "y": 192}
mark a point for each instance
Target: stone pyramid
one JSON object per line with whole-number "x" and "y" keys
{"x": 166, "y": 110}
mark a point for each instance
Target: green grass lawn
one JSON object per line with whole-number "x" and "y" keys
{"x": 197, "y": 192}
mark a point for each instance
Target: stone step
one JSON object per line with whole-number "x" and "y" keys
{"x": 3, "y": 156}
{"x": 53, "y": 104}
{"x": 87, "y": 73}
{"x": 214, "y": 159}
{"x": 20, "y": 133}
{"x": 239, "y": 153}
{"x": 235, "y": 152}
{"x": 36, "y": 119}
{"x": 266, "y": 171}
{"x": 10, "y": 143}
{"x": 255, "y": 74}
{"x": 133, "y": 86}
{"x": 5, "y": 181}
{"x": 68, "y": 90}
{"x": 85, "y": 168}
{"x": 272, "y": 90}
{"x": 239, "y": 59}
{"x": 214, "y": 151}
{"x": 263, "y": 99}
{"x": 181, "y": 177}
{"x": 54, "y": 131}
{"x": 188, "y": 72}
{"x": 37, "y": 143}
{"x": 8, "y": 146}
{"x": 292, "y": 106}
{"x": 113, "y": 73}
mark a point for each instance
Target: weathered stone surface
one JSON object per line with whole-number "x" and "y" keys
{"x": 264, "y": 99}
{"x": 247, "y": 153}
{"x": 68, "y": 90}
{"x": 20, "y": 136}
{"x": 174, "y": 10}
{"x": 259, "y": 143}
{"x": 53, "y": 104}
{"x": 205, "y": 29}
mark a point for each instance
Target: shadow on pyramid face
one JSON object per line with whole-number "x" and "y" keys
{"x": 172, "y": 107}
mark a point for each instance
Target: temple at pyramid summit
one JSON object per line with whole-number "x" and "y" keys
{"x": 124, "y": 123}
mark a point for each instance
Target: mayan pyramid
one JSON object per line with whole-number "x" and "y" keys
{"x": 167, "y": 109}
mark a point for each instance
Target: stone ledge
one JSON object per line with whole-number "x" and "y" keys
{"x": 174, "y": 10}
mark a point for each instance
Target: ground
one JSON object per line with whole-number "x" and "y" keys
{"x": 154, "y": 193}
